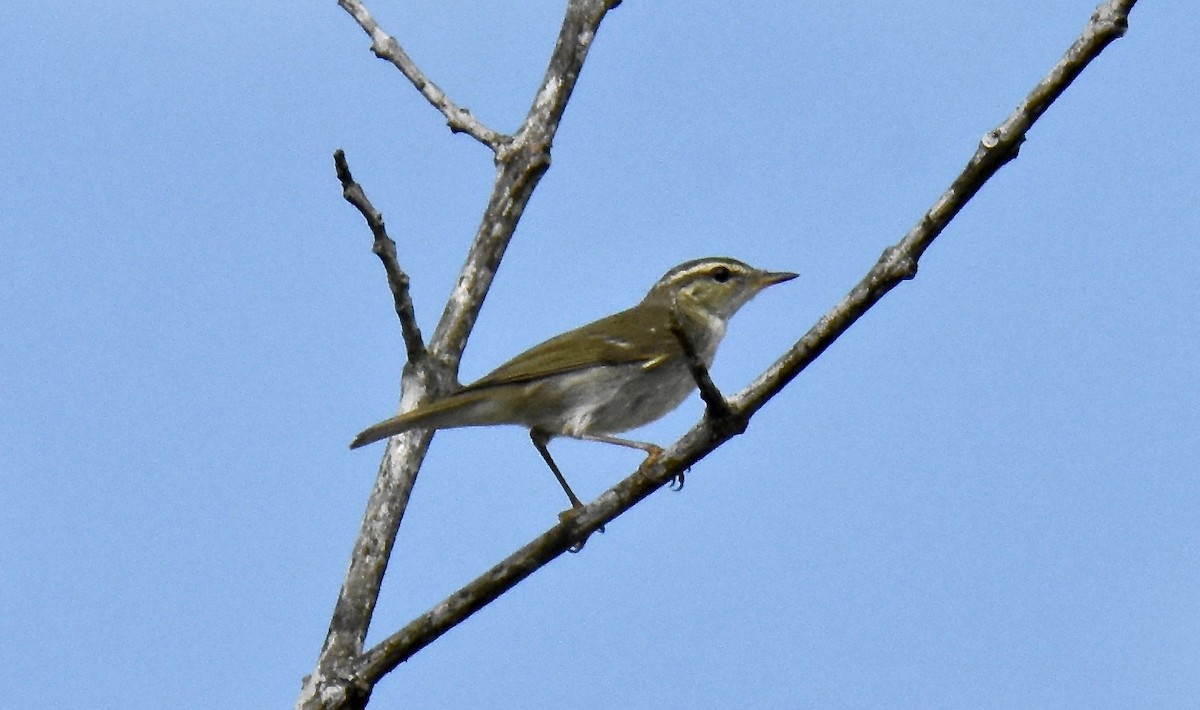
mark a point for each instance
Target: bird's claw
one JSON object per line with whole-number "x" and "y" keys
{"x": 569, "y": 515}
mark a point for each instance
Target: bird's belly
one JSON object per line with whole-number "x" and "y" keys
{"x": 615, "y": 399}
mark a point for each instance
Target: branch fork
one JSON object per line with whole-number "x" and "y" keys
{"x": 345, "y": 673}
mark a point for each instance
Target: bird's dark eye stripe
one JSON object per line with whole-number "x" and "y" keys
{"x": 720, "y": 274}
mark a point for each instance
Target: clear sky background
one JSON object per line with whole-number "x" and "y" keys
{"x": 984, "y": 495}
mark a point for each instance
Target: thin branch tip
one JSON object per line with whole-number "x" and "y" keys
{"x": 339, "y": 162}
{"x": 387, "y": 48}
{"x": 384, "y": 247}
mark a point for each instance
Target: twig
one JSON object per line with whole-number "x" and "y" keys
{"x": 897, "y": 264}
{"x": 385, "y": 249}
{"x": 386, "y": 47}
{"x": 715, "y": 402}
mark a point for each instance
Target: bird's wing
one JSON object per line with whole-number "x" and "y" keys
{"x": 593, "y": 344}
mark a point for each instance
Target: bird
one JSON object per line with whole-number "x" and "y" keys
{"x": 607, "y": 377}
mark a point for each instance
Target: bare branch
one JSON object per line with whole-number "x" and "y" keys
{"x": 386, "y": 47}
{"x": 897, "y": 264}
{"x": 521, "y": 163}
{"x": 385, "y": 249}
{"x": 571, "y": 531}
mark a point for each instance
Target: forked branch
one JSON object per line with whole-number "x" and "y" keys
{"x": 458, "y": 118}
{"x": 521, "y": 159}
{"x": 345, "y": 675}
{"x": 898, "y": 263}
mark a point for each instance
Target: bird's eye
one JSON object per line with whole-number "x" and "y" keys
{"x": 721, "y": 274}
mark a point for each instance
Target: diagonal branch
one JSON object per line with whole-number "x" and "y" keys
{"x": 898, "y": 263}
{"x": 385, "y": 249}
{"x": 521, "y": 166}
{"x": 386, "y": 47}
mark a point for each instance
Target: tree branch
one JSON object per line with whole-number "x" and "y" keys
{"x": 521, "y": 162}
{"x": 386, "y": 47}
{"x": 385, "y": 249}
{"x": 521, "y": 165}
{"x": 898, "y": 263}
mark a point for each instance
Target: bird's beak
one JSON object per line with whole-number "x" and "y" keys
{"x": 770, "y": 278}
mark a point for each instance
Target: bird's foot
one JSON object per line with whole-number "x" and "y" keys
{"x": 653, "y": 454}
{"x": 567, "y": 517}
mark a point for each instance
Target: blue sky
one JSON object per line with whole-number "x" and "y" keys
{"x": 985, "y": 494}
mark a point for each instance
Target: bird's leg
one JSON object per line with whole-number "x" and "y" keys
{"x": 652, "y": 452}
{"x": 540, "y": 439}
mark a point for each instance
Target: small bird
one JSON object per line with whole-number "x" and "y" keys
{"x": 607, "y": 377}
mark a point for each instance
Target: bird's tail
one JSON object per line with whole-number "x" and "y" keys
{"x": 462, "y": 409}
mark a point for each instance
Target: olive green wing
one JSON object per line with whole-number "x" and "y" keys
{"x": 632, "y": 337}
